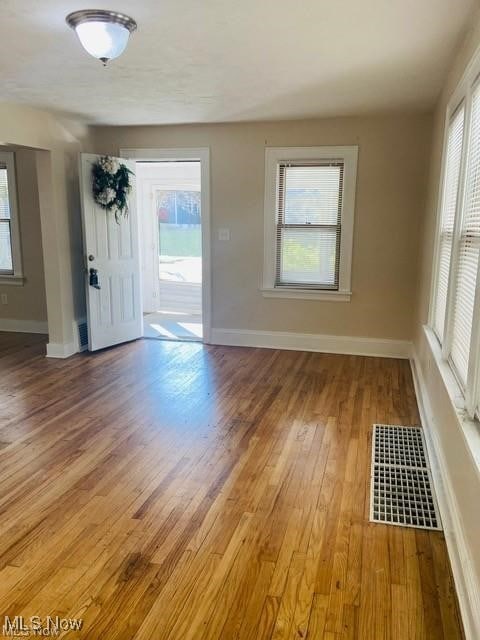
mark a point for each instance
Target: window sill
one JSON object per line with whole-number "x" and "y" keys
{"x": 306, "y": 294}
{"x": 469, "y": 428}
{"x": 449, "y": 380}
{"x": 12, "y": 280}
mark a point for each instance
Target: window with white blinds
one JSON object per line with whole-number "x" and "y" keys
{"x": 10, "y": 254}
{"x": 455, "y": 313}
{"x": 447, "y": 216}
{"x": 6, "y": 261}
{"x": 309, "y": 209}
{"x": 468, "y": 251}
{"x": 309, "y": 224}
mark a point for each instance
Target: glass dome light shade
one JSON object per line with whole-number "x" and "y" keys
{"x": 103, "y": 40}
{"x": 103, "y": 34}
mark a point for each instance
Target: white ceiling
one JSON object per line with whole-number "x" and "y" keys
{"x": 225, "y": 60}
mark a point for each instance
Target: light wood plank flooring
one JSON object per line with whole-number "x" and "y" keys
{"x": 164, "y": 490}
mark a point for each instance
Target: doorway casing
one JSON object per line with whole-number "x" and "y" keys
{"x": 201, "y": 154}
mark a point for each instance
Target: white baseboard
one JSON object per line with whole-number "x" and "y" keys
{"x": 349, "y": 345}
{"x": 23, "y": 326}
{"x": 467, "y": 587}
{"x": 61, "y": 350}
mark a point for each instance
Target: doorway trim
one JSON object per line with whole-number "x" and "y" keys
{"x": 202, "y": 154}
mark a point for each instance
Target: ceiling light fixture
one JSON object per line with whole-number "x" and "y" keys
{"x": 104, "y": 34}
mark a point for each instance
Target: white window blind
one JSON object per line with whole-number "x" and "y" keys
{"x": 309, "y": 224}
{"x": 6, "y": 262}
{"x": 447, "y": 216}
{"x": 469, "y": 245}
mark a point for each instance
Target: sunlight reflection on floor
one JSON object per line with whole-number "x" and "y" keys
{"x": 172, "y": 326}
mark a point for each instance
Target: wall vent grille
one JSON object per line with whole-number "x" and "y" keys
{"x": 82, "y": 327}
{"x": 401, "y": 488}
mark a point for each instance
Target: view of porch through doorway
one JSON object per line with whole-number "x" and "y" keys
{"x": 169, "y": 207}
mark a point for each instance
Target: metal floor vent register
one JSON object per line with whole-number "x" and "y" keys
{"x": 401, "y": 488}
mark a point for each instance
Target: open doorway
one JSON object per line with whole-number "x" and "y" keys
{"x": 169, "y": 200}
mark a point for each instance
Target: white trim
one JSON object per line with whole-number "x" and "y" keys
{"x": 438, "y": 217}
{"x": 306, "y": 294}
{"x": 468, "y": 78}
{"x": 23, "y": 326}
{"x": 11, "y": 280}
{"x": 275, "y": 155}
{"x": 61, "y": 349}
{"x": 350, "y": 345}
{"x": 8, "y": 158}
{"x": 467, "y": 587}
{"x": 470, "y": 429}
{"x": 202, "y": 154}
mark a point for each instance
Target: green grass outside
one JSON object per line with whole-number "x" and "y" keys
{"x": 180, "y": 241}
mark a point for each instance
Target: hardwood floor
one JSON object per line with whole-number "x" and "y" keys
{"x": 165, "y": 490}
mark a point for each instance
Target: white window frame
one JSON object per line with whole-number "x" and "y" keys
{"x": 14, "y": 277}
{"x": 274, "y": 156}
{"x": 466, "y": 396}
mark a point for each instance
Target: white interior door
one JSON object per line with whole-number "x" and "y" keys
{"x": 148, "y": 242}
{"x": 114, "y": 310}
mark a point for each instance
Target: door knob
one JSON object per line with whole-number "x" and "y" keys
{"x": 91, "y": 258}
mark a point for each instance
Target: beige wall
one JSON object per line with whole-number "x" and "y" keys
{"x": 60, "y": 140}
{"x": 461, "y": 470}
{"x": 393, "y": 152}
{"x": 27, "y": 302}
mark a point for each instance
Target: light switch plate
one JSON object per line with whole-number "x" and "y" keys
{"x": 224, "y": 234}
